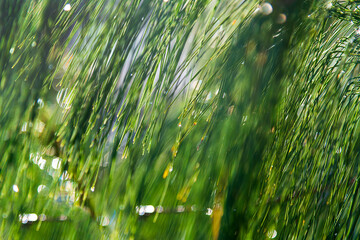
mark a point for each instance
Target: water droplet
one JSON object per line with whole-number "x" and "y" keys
{"x": 180, "y": 208}
{"x": 11, "y": 50}
{"x": 32, "y": 217}
{"x": 39, "y": 126}
{"x": 140, "y": 210}
{"x": 33, "y": 44}
{"x": 67, "y": 7}
{"x": 329, "y": 5}
{"x": 24, "y": 127}
{"x": 281, "y": 18}
{"x": 142, "y": 19}
{"x": 41, "y": 163}
{"x": 42, "y": 217}
{"x": 40, "y": 103}
{"x": 149, "y": 209}
{"x": 104, "y": 221}
{"x": 15, "y": 188}
{"x": 56, "y": 163}
{"x": 40, "y": 188}
{"x": 272, "y": 234}
{"x": 24, "y": 219}
{"x": 209, "y": 211}
{"x": 266, "y": 8}
{"x": 159, "y": 209}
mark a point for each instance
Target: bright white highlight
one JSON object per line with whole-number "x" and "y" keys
{"x": 67, "y": 7}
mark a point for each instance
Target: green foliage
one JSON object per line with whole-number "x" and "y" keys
{"x": 179, "y": 119}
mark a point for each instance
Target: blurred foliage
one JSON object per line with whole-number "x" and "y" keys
{"x": 179, "y": 119}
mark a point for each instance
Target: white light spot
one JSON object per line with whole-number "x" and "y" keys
{"x": 23, "y": 219}
{"x": 62, "y": 217}
{"x": 24, "y": 127}
{"x": 180, "y": 208}
{"x": 15, "y": 188}
{"x": 40, "y": 188}
{"x": 11, "y": 50}
{"x": 56, "y": 163}
{"x": 165, "y": 0}
{"x": 39, "y": 126}
{"x": 32, "y": 217}
{"x": 209, "y": 211}
{"x": 67, "y": 7}
{"x": 149, "y": 209}
{"x": 92, "y": 189}
{"x": 40, "y": 102}
{"x": 272, "y": 234}
{"x": 33, "y": 44}
{"x": 37, "y": 159}
{"x": 41, "y": 163}
{"x": 140, "y": 210}
{"x": 266, "y": 8}
{"x": 104, "y": 221}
